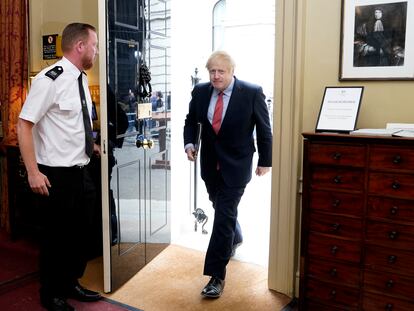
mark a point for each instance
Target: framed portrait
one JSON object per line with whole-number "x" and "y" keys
{"x": 339, "y": 109}
{"x": 377, "y": 40}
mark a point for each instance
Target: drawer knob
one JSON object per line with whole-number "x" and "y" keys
{"x": 389, "y": 307}
{"x": 337, "y": 156}
{"x": 392, "y": 258}
{"x": 393, "y": 235}
{"x": 333, "y": 272}
{"x": 395, "y": 185}
{"x": 336, "y": 227}
{"x": 394, "y": 210}
{"x": 337, "y": 179}
{"x": 333, "y": 293}
{"x": 397, "y": 159}
{"x": 336, "y": 203}
{"x": 334, "y": 249}
{"x": 389, "y": 284}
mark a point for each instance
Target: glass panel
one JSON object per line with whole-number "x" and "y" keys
{"x": 158, "y": 193}
{"x": 159, "y": 15}
{"x": 158, "y": 200}
{"x": 126, "y": 12}
{"x": 219, "y": 15}
{"x": 128, "y": 206}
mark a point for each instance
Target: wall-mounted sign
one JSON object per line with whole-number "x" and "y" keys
{"x": 50, "y": 46}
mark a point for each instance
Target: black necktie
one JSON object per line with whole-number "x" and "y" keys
{"x": 86, "y": 120}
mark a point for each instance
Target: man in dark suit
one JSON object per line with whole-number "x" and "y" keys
{"x": 229, "y": 110}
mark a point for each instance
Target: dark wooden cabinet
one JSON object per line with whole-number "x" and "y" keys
{"x": 357, "y": 241}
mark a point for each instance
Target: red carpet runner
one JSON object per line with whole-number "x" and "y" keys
{"x": 26, "y": 298}
{"x": 19, "y": 286}
{"x": 17, "y": 259}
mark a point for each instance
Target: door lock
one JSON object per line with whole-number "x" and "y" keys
{"x": 145, "y": 143}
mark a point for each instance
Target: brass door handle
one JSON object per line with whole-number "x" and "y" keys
{"x": 145, "y": 143}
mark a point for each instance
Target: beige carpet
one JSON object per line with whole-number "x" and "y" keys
{"x": 174, "y": 280}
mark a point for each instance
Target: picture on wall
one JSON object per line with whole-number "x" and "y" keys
{"x": 377, "y": 40}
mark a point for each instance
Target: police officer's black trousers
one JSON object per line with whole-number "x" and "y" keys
{"x": 65, "y": 220}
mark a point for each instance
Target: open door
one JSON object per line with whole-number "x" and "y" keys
{"x": 136, "y": 216}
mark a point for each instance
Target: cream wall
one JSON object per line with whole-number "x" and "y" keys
{"x": 51, "y": 17}
{"x": 307, "y": 59}
{"x": 383, "y": 101}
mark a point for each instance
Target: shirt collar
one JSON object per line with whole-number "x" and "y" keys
{"x": 228, "y": 90}
{"x": 69, "y": 67}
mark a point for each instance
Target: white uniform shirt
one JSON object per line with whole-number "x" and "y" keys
{"x": 54, "y": 107}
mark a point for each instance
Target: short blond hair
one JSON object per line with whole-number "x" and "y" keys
{"x": 73, "y": 33}
{"x": 221, "y": 55}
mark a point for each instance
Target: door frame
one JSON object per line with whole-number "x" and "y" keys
{"x": 283, "y": 275}
{"x": 283, "y": 254}
{"x": 102, "y": 37}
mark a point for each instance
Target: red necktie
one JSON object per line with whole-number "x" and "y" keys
{"x": 218, "y": 112}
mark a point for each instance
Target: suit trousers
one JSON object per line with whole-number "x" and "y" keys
{"x": 226, "y": 229}
{"x": 65, "y": 220}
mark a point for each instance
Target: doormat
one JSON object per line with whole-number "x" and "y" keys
{"x": 26, "y": 297}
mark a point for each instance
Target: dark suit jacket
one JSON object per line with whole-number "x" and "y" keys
{"x": 233, "y": 146}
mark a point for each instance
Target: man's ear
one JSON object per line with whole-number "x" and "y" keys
{"x": 79, "y": 46}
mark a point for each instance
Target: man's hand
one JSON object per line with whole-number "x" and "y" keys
{"x": 191, "y": 153}
{"x": 39, "y": 183}
{"x": 97, "y": 150}
{"x": 260, "y": 170}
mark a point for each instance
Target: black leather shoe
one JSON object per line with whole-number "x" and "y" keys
{"x": 214, "y": 288}
{"x": 233, "y": 250}
{"x": 56, "y": 304}
{"x": 82, "y": 294}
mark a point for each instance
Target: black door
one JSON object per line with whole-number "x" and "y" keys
{"x": 137, "y": 216}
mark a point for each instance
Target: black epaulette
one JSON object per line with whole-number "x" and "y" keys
{"x": 54, "y": 72}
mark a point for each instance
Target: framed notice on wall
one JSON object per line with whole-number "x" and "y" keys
{"x": 339, "y": 109}
{"x": 49, "y": 46}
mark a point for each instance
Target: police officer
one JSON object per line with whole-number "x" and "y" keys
{"x": 56, "y": 143}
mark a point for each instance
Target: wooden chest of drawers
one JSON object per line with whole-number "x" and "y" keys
{"x": 357, "y": 231}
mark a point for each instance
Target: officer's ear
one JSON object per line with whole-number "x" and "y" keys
{"x": 79, "y": 46}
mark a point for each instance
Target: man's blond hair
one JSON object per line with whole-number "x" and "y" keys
{"x": 221, "y": 55}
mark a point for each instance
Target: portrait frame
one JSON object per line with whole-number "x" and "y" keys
{"x": 372, "y": 50}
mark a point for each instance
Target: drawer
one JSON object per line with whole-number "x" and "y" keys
{"x": 331, "y": 248}
{"x": 389, "y": 284}
{"x": 397, "y": 185}
{"x": 332, "y": 294}
{"x": 392, "y": 209}
{"x": 391, "y": 235}
{"x": 373, "y": 302}
{"x": 334, "y": 272}
{"x": 348, "y": 155}
{"x": 388, "y": 259}
{"x": 336, "y": 225}
{"x": 337, "y": 202}
{"x": 385, "y": 158}
{"x": 334, "y": 178}
{"x": 317, "y": 306}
